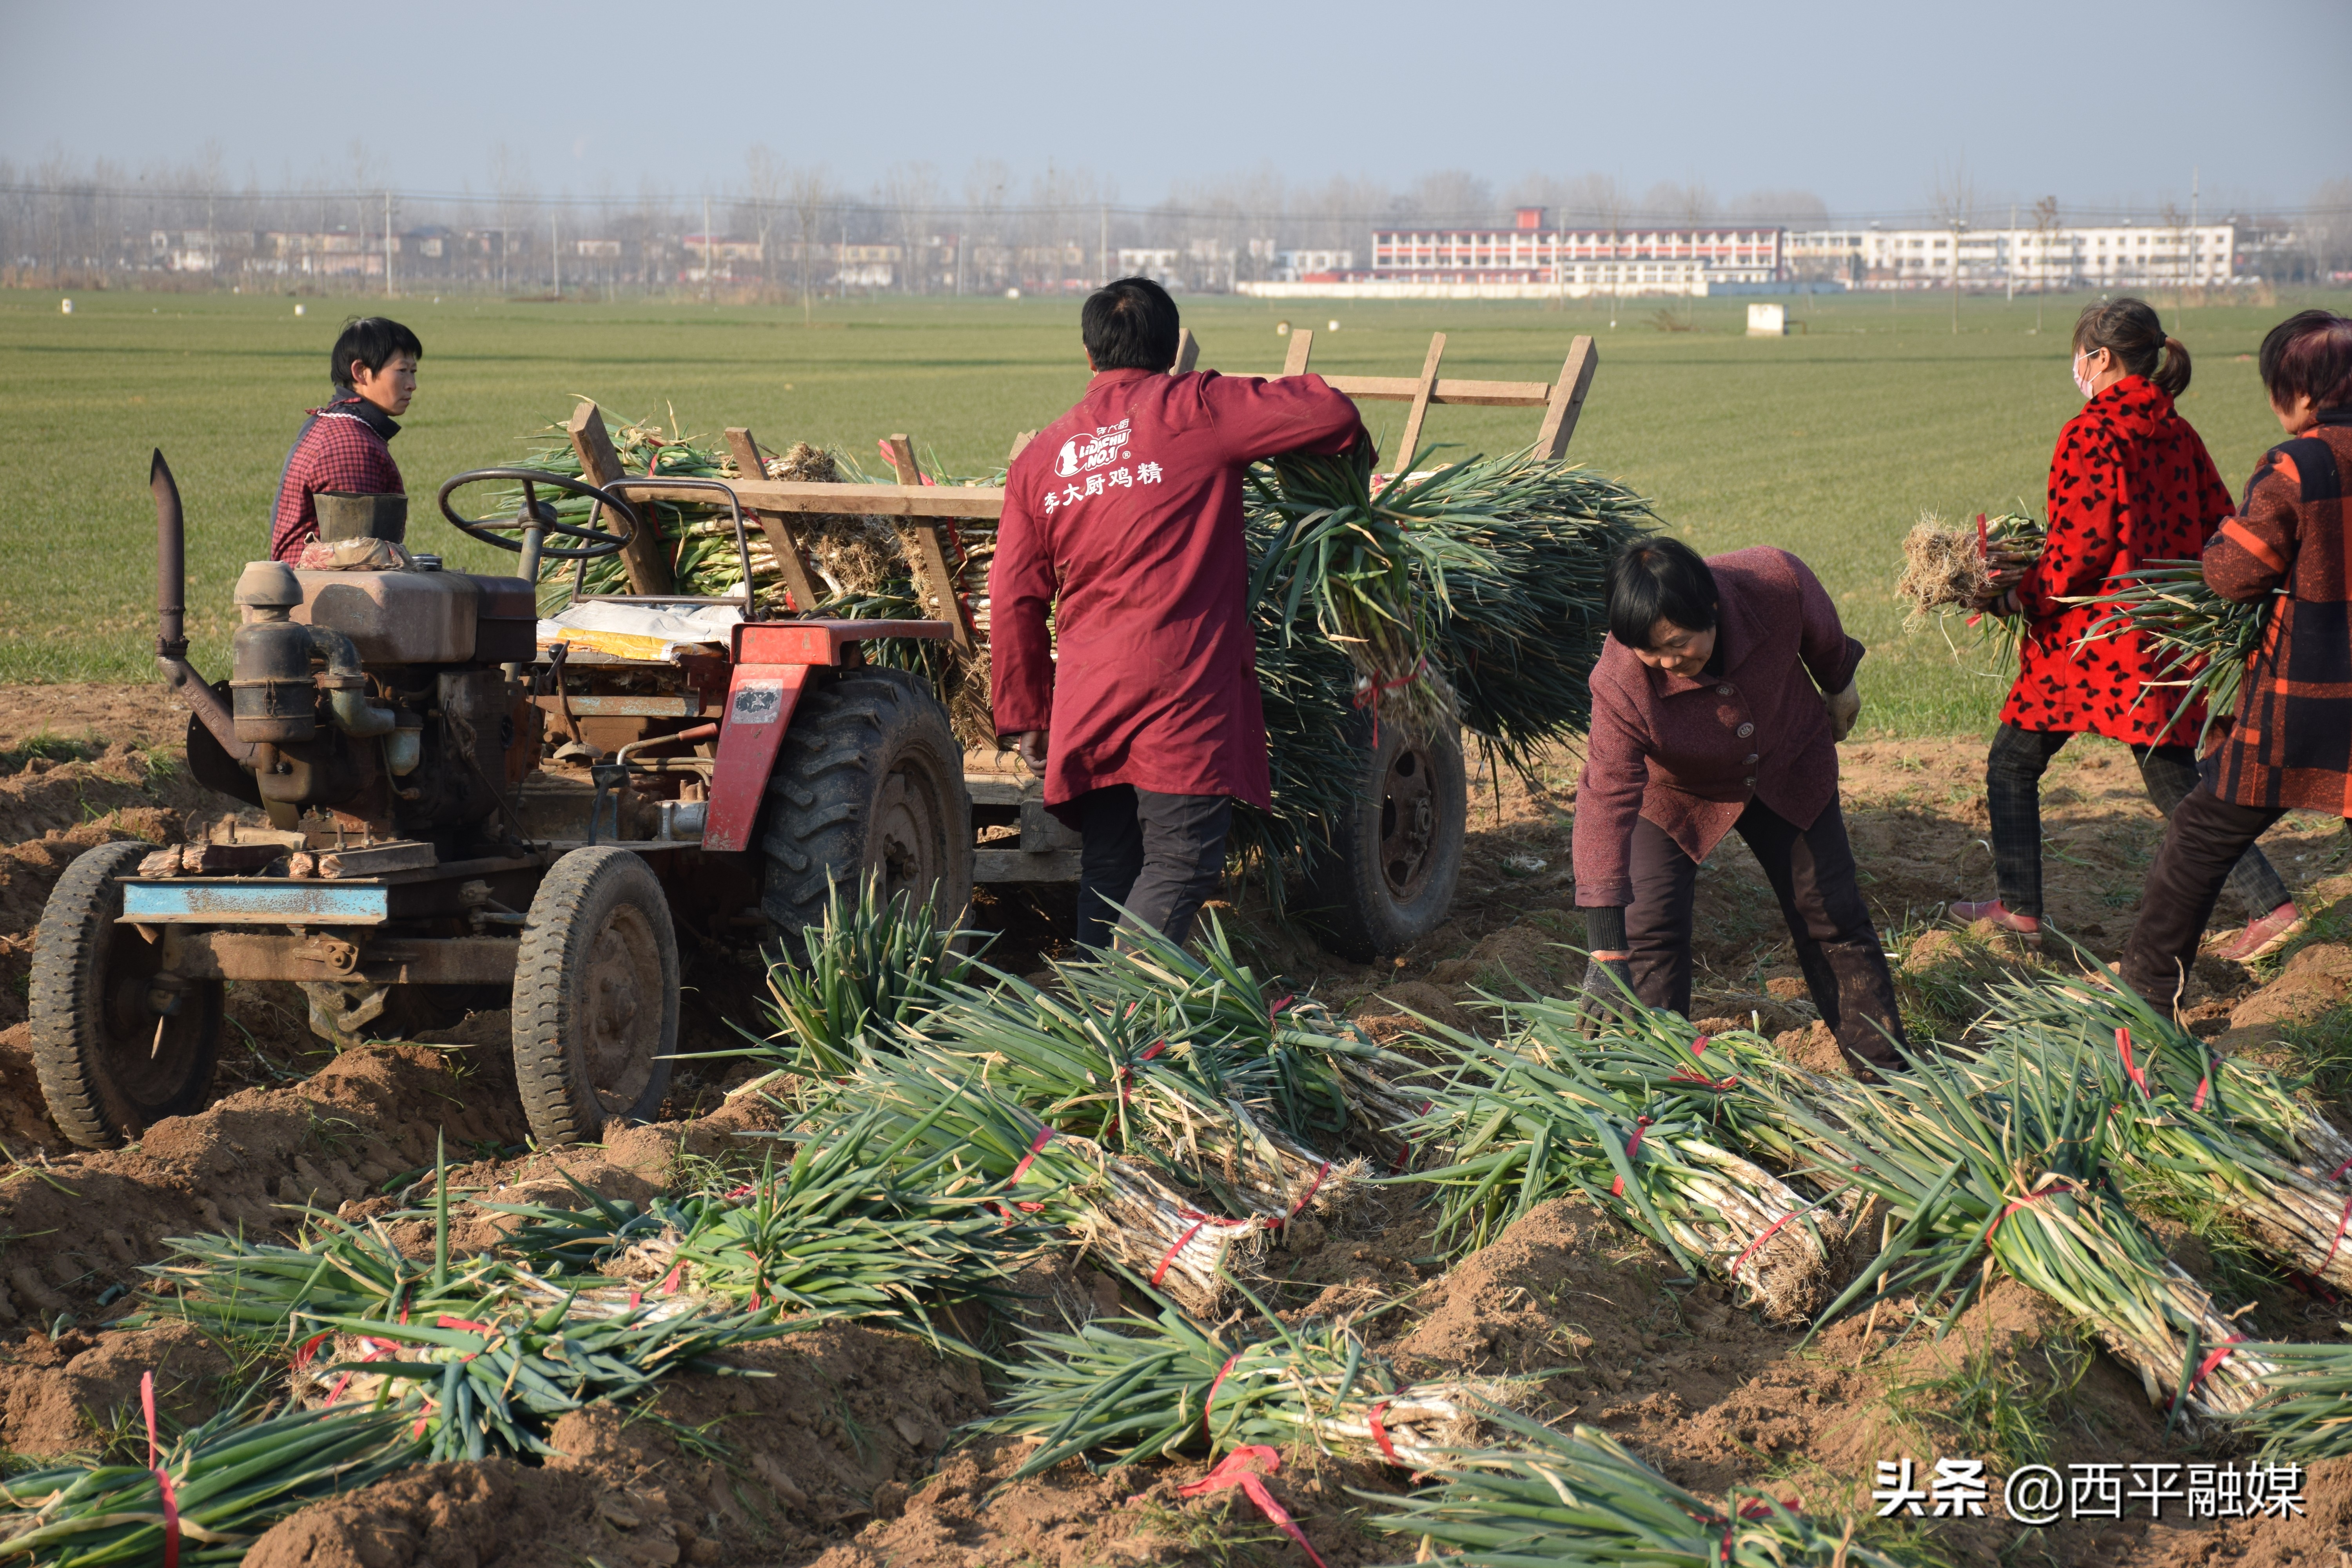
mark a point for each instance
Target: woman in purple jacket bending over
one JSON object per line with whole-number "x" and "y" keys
{"x": 1718, "y": 703}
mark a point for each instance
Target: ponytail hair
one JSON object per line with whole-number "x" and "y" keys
{"x": 2127, "y": 328}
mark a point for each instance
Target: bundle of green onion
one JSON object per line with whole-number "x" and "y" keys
{"x": 498, "y": 1379}
{"x": 872, "y": 969}
{"x": 242, "y": 1288}
{"x": 2195, "y": 1135}
{"x": 1977, "y": 1168}
{"x": 2202, "y": 642}
{"x": 1140, "y": 1388}
{"x": 1532, "y": 1120}
{"x": 1027, "y": 1166}
{"x": 2307, "y": 1415}
{"x": 859, "y": 1225}
{"x": 1581, "y": 1498}
{"x": 1949, "y": 570}
{"x": 229, "y": 1481}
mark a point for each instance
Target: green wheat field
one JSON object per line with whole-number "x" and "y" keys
{"x": 1828, "y": 442}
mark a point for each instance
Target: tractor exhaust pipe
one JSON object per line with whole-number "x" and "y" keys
{"x": 172, "y": 613}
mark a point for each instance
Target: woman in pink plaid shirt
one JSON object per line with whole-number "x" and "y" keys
{"x": 344, "y": 448}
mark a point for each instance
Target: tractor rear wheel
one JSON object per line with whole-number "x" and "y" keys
{"x": 1396, "y": 854}
{"x": 869, "y": 780}
{"x": 596, "y": 996}
{"x": 117, "y": 1043}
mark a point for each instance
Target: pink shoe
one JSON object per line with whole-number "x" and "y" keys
{"x": 2266, "y": 935}
{"x": 2025, "y": 927}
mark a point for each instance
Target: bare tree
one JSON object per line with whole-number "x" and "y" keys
{"x": 911, "y": 190}
{"x": 1956, "y": 201}
{"x": 2045, "y": 224}
{"x": 811, "y": 195}
{"x": 765, "y": 184}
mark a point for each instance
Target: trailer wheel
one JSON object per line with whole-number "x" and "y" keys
{"x": 1396, "y": 857}
{"x": 596, "y": 997}
{"x": 869, "y": 779}
{"x": 112, "y": 1062}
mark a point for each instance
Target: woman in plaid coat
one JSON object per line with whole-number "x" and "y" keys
{"x": 2289, "y": 744}
{"x": 2129, "y": 483}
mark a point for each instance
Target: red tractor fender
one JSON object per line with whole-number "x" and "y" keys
{"x": 771, "y": 660}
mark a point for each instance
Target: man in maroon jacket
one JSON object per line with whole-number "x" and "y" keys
{"x": 1123, "y": 522}
{"x": 1718, "y": 702}
{"x": 344, "y": 447}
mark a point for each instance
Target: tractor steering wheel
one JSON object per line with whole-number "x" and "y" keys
{"x": 536, "y": 519}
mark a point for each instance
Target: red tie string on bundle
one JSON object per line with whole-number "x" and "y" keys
{"x": 162, "y": 1479}
{"x": 2132, "y": 1070}
{"x": 1045, "y": 1136}
{"x": 1242, "y": 1468}
{"x": 1274, "y": 1009}
{"x": 1755, "y": 1508}
{"x": 2050, "y": 1191}
{"x": 670, "y": 1280}
{"x": 1368, "y": 690}
{"x": 1632, "y": 1147}
{"x": 1308, "y": 1197}
{"x": 1380, "y": 1435}
{"x": 1125, "y": 1074}
{"x": 1216, "y": 1383}
{"x": 2213, "y": 1358}
{"x": 1404, "y": 1154}
{"x": 2337, "y": 1174}
{"x": 2342, "y": 1222}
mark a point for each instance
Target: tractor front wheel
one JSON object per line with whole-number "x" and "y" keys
{"x": 869, "y": 781}
{"x": 118, "y": 1044}
{"x": 1395, "y": 856}
{"x": 596, "y": 997}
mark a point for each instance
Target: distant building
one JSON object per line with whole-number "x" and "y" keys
{"x": 1312, "y": 266}
{"x": 2021, "y": 256}
{"x": 1586, "y": 260}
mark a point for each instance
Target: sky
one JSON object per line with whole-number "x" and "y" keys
{"x": 1863, "y": 105}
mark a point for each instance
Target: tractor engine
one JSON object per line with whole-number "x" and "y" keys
{"x": 377, "y": 697}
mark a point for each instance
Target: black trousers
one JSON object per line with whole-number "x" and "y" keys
{"x": 1812, "y": 873}
{"x": 1158, "y": 854}
{"x": 2205, "y": 840}
{"x": 2014, "y": 771}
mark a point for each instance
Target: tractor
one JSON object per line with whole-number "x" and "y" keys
{"x": 463, "y": 815}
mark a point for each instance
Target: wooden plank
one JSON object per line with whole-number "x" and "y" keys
{"x": 783, "y": 542}
{"x": 1474, "y": 393}
{"x": 227, "y": 859}
{"x": 1409, "y": 444}
{"x": 689, "y": 706}
{"x": 984, "y": 501}
{"x": 931, "y": 545}
{"x": 1302, "y": 343}
{"x": 648, "y": 562}
{"x": 1567, "y": 402}
{"x": 1019, "y": 443}
{"x": 409, "y": 854}
{"x": 1188, "y": 352}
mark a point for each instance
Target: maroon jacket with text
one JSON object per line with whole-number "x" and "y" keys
{"x": 1689, "y": 753}
{"x": 1123, "y": 521}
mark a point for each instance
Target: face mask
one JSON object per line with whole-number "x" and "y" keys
{"x": 2082, "y": 383}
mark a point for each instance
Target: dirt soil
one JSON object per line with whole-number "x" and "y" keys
{"x": 850, "y": 1455}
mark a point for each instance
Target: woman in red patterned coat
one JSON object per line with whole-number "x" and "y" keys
{"x": 2129, "y": 483}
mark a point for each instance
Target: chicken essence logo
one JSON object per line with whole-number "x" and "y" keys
{"x": 1099, "y": 450}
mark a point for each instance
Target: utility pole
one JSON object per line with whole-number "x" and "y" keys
{"x": 2192, "y": 221}
{"x": 1958, "y": 224}
{"x": 387, "y": 245}
{"x": 705, "y": 246}
{"x": 1102, "y": 245}
{"x": 2009, "y": 265}
{"x": 555, "y": 254}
